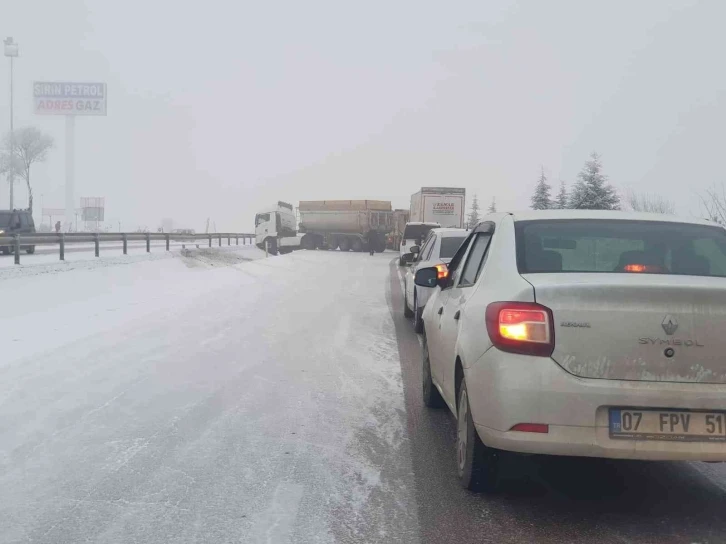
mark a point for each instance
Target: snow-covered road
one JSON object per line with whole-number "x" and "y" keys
{"x": 222, "y": 397}
{"x": 173, "y": 402}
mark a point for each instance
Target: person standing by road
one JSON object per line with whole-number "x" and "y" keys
{"x": 371, "y": 241}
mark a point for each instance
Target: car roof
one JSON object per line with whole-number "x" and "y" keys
{"x": 532, "y": 215}
{"x": 445, "y": 232}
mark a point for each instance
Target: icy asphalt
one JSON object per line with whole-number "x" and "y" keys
{"x": 218, "y": 399}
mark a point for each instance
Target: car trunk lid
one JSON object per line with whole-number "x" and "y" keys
{"x": 643, "y": 327}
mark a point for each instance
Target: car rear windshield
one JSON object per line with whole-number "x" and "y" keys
{"x": 649, "y": 247}
{"x": 414, "y": 232}
{"x": 450, "y": 245}
{"x": 5, "y": 219}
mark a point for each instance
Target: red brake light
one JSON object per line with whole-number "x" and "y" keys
{"x": 442, "y": 270}
{"x": 521, "y": 327}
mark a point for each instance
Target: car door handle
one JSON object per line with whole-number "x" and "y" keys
{"x": 441, "y": 310}
{"x": 457, "y": 314}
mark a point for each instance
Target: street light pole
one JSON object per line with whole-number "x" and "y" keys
{"x": 11, "y": 50}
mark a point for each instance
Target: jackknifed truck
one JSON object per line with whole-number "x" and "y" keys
{"x": 347, "y": 225}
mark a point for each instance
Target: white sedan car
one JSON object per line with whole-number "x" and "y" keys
{"x": 584, "y": 333}
{"x": 437, "y": 250}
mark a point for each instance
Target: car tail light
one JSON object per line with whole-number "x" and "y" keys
{"x": 442, "y": 270}
{"x": 531, "y": 428}
{"x": 521, "y": 327}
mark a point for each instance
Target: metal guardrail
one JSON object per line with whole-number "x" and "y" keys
{"x": 18, "y": 242}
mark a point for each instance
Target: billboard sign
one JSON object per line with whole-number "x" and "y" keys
{"x": 92, "y": 208}
{"x": 67, "y": 98}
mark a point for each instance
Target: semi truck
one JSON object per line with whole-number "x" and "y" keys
{"x": 324, "y": 224}
{"x": 445, "y": 206}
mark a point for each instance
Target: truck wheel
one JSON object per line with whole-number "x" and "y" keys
{"x": 344, "y": 244}
{"x": 357, "y": 245}
{"x": 379, "y": 246}
{"x": 30, "y": 250}
{"x": 307, "y": 242}
{"x": 332, "y": 243}
{"x": 6, "y": 251}
{"x": 271, "y": 246}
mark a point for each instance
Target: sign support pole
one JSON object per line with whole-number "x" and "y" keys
{"x": 70, "y": 167}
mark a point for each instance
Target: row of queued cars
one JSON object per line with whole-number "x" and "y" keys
{"x": 575, "y": 333}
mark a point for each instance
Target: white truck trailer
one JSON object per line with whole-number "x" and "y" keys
{"x": 443, "y": 205}
{"x": 325, "y": 224}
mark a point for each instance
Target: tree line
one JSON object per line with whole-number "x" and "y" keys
{"x": 592, "y": 191}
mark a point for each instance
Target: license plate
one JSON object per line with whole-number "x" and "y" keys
{"x": 670, "y": 425}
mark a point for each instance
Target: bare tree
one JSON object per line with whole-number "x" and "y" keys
{"x": 714, "y": 203}
{"x": 651, "y": 203}
{"x": 31, "y": 146}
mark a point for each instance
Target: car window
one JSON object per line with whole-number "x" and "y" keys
{"x": 416, "y": 232}
{"x": 616, "y": 246}
{"x": 475, "y": 260}
{"x": 455, "y": 264}
{"x": 430, "y": 248}
{"x": 423, "y": 248}
{"x": 449, "y": 245}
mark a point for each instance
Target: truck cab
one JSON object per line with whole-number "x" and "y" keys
{"x": 273, "y": 225}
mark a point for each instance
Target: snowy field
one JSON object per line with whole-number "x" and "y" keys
{"x": 216, "y": 396}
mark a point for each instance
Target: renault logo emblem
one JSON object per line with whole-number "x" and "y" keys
{"x": 670, "y": 325}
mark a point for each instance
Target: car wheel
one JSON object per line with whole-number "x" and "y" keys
{"x": 431, "y": 396}
{"x": 479, "y": 466}
{"x": 400, "y": 262}
{"x": 417, "y": 321}
{"x": 407, "y": 313}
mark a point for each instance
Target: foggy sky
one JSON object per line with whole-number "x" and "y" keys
{"x": 219, "y": 108}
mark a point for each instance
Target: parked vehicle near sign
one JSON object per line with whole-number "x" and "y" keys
{"x": 16, "y": 222}
{"x": 580, "y": 333}
{"x": 445, "y": 206}
{"x": 437, "y": 250}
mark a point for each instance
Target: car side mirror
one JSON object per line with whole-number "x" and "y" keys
{"x": 415, "y": 250}
{"x": 427, "y": 277}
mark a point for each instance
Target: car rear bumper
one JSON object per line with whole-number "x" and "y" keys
{"x": 506, "y": 389}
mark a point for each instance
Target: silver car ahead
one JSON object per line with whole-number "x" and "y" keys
{"x": 437, "y": 250}
{"x": 581, "y": 333}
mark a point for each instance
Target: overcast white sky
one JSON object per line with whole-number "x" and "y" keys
{"x": 217, "y": 108}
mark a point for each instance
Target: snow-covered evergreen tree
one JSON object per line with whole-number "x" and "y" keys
{"x": 562, "y": 200}
{"x": 541, "y": 197}
{"x": 592, "y": 191}
{"x": 493, "y": 205}
{"x": 474, "y": 214}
